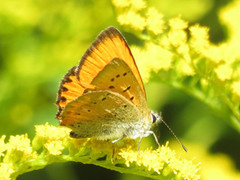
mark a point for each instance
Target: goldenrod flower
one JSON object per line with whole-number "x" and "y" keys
{"x": 155, "y": 22}
{"x": 236, "y": 73}
{"x": 50, "y": 137}
{"x": 121, "y": 3}
{"x": 236, "y": 88}
{"x": 138, "y": 4}
{"x": 183, "y": 50}
{"x": 18, "y": 149}
{"x": 178, "y": 23}
{"x": 51, "y": 132}
{"x": 160, "y": 59}
{"x": 213, "y": 53}
{"x": 224, "y": 72}
{"x": 132, "y": 19}
{"x": 164, "y": 42}
{"x": 6, "y": 170}
{"x": 162, "y": 161}
{"x": 200, "y": 38}
{"x": 141, "y": 56}
{"x": 185, "y": 68}
{"x": 3, "y": 146}
{"x": 20, "y": 143}
{"x": 54, "y": 147}
{"x": 177, "y": 37}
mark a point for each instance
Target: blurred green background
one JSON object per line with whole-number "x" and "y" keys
{"x": 40, "y": 40}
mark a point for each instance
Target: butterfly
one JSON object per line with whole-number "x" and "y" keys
{"x": 104, "y": 96}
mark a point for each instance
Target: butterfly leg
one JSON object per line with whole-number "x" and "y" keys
{"x": 113, "y": 155}
{"x": 139, "y": 143}
{"x": 154, "y": 135}
{"x": 116, "y": 140}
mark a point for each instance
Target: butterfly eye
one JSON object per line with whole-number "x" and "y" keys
{"x": 155, "y": 117}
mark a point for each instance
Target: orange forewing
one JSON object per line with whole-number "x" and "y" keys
{"x": 69, "y": 89}
{"x": 109, "y": 44}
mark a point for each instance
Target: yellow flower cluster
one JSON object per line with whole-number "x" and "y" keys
{"x": 230, "y": 17}
{"x": 172, "y": 46}
{"x": 175, "y": 36}
{"x": 236, "y": 88}
{"x": 3, "y": 146}
{"x": 130, "y": 14}
{"x": 15, "y": 152}
{"x": 156, "y": 54}
{"x": 155, "y": 22}
{"x": 151, "y": 52}
{"x": 162, "y": 161}
{"x": 199, "y": 38}
{"x": 18, "y": 156}
{"x": 5, "y": 171}
{"x": 18, "y": 151}
{"x": 133, "y": 20}
{"x": 51, "y": 138}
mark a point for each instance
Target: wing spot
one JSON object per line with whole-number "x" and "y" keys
{"x": 125, "y": 106}
{"x": 112, "y": 79}
{"x": 68, "y": 80}
{"x": 73, "y": 134}
{"x": 132, "y": 98}
{"x": 63, "y": 99}
{"x": 124, "y": 74}
{"x": 103, "y": 99}
{"x": 64, "y": 89}
{"x": 118, "y": 75}
{"x": 89, "y": 110}
{"x": 85, "y": 91}
{"x": 94, "y": 102}
{"x": 127, "y": 89}
{"x": 111, "y": 87}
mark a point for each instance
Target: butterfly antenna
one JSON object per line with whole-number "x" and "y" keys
{"x": 174, "y": 135}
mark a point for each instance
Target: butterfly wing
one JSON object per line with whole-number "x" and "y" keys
{"x": 118, "y": 77}
{"x": 69, "y": 89}
{"x": 109, "y": 44}
{"x": 92, "y": 115}
{"x": 114, "y": 108}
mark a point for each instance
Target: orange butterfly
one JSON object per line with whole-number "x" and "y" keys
{"x": 104, "y": 97}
